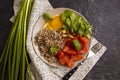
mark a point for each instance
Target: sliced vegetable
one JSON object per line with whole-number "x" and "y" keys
{"x": 88, "y": 35}
{"x": 72, "y": 17}
{"x": 66, "y": 58}
{"x": 68, "y": 42}
{"x": 71, "y": 52}
{"x": 76, "y": 24}
{"x": 60, "y": 54}
{"x": 63, "y": 59}
{"x": 63, "y": 17}
{"x": 68, "y": 22}
{"x": 83, "y": 50}
{"x": 70, "y": 63}
{"x": 66, "y": 49}
{"x": 83, "y": 40}
{"x": 68, "y": 13}
{"x": 80, "y": 32}
{"x": 77, "y": 44}
{"x": 47, "y": 16}
{"x": 77, "y": 57}
{"x": 53, "y": 50}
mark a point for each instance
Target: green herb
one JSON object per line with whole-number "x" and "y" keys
{"x": 53, "y": 49}
{"x": 14, "y": 59}
{"x": 47, "y": 16}
{"x": 77, "y": 44}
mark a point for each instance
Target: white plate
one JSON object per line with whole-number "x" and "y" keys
{"x": 40, "y": 23}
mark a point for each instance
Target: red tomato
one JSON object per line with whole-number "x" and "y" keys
{"x": 70, "y": 63}
{"x": 83, "y": 50}
{"x": 60, "y": 54}
{"x": 68, "y": 41}
{"x": 66, "y": 48}
{"x": 71, "y": 52}
{"x": 65, "y": 58}
{"x": 61, "y": 61}
{"x": 77, "y": 57}
{"x": 83, "y": 40}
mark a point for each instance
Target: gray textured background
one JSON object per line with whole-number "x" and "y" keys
{"x": 104, "y": 15}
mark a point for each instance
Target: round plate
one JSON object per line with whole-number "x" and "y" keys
{"x": 40, "y": 23}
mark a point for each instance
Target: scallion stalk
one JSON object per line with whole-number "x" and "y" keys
{"x": 14, "y": 58}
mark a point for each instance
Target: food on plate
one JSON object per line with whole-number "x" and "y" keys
{"x": 54, "y": 24}
{"x": 64, "y": 38}
{"x": 73, "y": 50}
{"x": 76, "y": 24}
{"x": 47, "y": 16}
{"x": 77, "y": 44}
{"x": 49, "y": 42}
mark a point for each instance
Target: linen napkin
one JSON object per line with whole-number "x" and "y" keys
{"x": 42, "y": 71}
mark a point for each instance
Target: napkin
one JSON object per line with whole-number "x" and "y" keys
{"x": 42, "y": 71}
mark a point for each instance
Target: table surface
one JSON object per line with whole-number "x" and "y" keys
{"x": 104, "y": 15}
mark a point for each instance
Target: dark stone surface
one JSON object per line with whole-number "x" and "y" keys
{"x": 6, "y": 12}
{"x": 104, "y": 15}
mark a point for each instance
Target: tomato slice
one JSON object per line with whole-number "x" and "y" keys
{"x": 63, "y": 59}
{"x": 77, "y": 57}
{"x": 70, "y": 63}
{"x": 71, "y": 52}
{"x": 60, "y": 54}
{"x": 83, "y": 40}
{"x": 66, "y": 49}
{"x": 84, "y": 50}
{"x": 68, "y": 41}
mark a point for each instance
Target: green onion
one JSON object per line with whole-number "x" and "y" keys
{"x": 14, "y": 58}
{"x": 77, "y": 44}
{"x": 53, "y": 50}
{"x": 47, "y": 16}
